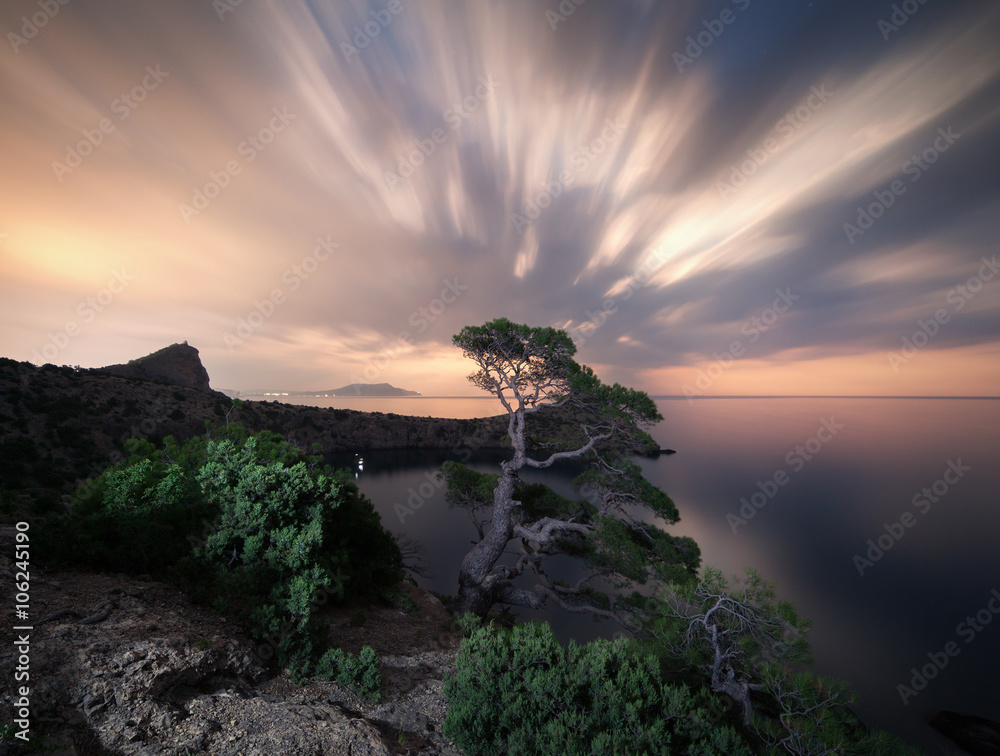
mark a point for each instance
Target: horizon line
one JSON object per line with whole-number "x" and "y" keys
{"x": 665, "y": 396}
{"x": 818, "y": 396}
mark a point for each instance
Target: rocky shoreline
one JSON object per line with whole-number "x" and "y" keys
{"x": 161, "y": 676}
{"x": 60, "y": 425}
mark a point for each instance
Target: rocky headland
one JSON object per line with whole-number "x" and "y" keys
{"x": 61, "y": 425}
{"x": 127, "y": 666}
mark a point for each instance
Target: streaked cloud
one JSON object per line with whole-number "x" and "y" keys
{"x": 568, "y": 176}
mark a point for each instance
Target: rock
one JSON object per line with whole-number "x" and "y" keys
{"x": 977, "y": 735}
{"x": 177, "y": 364}
{"x": 119, "y": 690}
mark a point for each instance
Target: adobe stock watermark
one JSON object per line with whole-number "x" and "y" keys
{"x": 566, "y": 9}
{"x": 87, "y": 311}
{"x": 580, "y": 159}
{"x": 937, "y": 661}
{"x": 796, "y": 459}
{"x": 434, "y": 482}
{"x": 788, "y": 124}
{"x": 922, "y": 502}
{"x": 123, "y": 106}
{"x": 418, "y": 496}
{"x": 248, "y": 149}
{"x": 957, "y": 297}
{"x": 292, "y": 277}
{"x": 752, "y": 328}
{"x": 901, "y": 13}
{"x": 609, "y": 305}
{"x": 224, "y": 7}
{"x": 698, "y": 43}
{"x": 365, "y": 35}
{"x": 48, "y": 10}
{"x": 421, "y": 319}
{"x": 915, "y": 168}
{"x": 453, "y": 117}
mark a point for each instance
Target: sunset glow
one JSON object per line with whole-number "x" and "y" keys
{"x": 312, "y": 193}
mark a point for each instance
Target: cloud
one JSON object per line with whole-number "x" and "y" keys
{"x": 544, "y": 168}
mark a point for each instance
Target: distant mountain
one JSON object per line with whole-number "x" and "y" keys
{"x": 61, "y": 425}
{"x": 371, "y": 389}
{"x": 351, "y": 389}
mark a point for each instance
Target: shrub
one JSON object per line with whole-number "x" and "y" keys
{"x": 520, "y": 692}
{"x": 402, "y": 601}
{"x": 738, "y": 638}
{"x": 274, "y": 533}
{"x": 360, "y": 673}
{"x": 132, "y": 518}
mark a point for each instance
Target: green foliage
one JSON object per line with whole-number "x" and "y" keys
{"x": 625, "y": 552}
{"x": 515, "y": 357}
{"x": 740, "y": 626}
{"x": 467, "y": 623}
{"x": 520, "y": 692}
{"x": 402, "y": 601}
{"x": 621, "y": 483}
{"x": 133, "y": 518}
{"x": 466, "y": 487}
{"x": 637, "y": 553}
{"x": 740, "y": 638}
{"x": 296, "y": 534}
{"x": 360, "y": 673}
{"x": 274, "y": 533}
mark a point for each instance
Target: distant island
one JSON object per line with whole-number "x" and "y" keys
{"x": 351, "y": 389}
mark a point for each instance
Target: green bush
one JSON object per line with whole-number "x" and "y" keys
{"x": 737, "y": 636}
{"x": 246, "y": 522}
{"x": 402, "y": 601}
{"x": 360, "y": 673}
{"x": 132, "y": 518}
{"x": 520, "y": 692}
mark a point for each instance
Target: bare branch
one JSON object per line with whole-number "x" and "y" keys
{"x": 553, "y": 458}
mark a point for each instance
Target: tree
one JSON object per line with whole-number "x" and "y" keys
{"x": 573, "y": 416}
{"x": 735, "y": 635}
{"x": 751, "y": 647}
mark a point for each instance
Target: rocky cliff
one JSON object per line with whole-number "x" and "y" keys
{"x": 60, "y": 425}
{"x": 176, "y": 365}
{"x": 159, "y": 676}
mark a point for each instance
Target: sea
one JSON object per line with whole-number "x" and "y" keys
{"x": 878, "y": 518}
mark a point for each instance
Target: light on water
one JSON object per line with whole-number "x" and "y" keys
{"x": 854, "y": 507}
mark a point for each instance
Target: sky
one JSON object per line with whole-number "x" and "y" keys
{"x": 736, "y": 197}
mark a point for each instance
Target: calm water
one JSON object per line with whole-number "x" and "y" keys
{"x": 830, "y": 475}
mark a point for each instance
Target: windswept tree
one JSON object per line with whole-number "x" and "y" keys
{"x": 559, "y": 411}
{"x": 751, "y": 647}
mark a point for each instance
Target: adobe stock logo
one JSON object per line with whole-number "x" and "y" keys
{"x": 915, "y": 168}
{"x": 922, "y": 501}
{"x": 698, "y": 43}
{"x": 293, "y": 277}
{"x": 249, "y": 148}
{"x": 967, "y": 630}
{"x": 796, "y": 459}
{"x": 752, "y": 327}
{"x": 957, "y": 297}
{"x": 31, "y": 26}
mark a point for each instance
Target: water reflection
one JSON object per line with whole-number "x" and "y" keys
{"x": 870, "y": 629}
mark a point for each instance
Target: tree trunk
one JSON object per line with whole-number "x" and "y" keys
{"x": 477, "y": 586}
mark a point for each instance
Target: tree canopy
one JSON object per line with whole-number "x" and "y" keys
{"x": 559, "y": 411}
